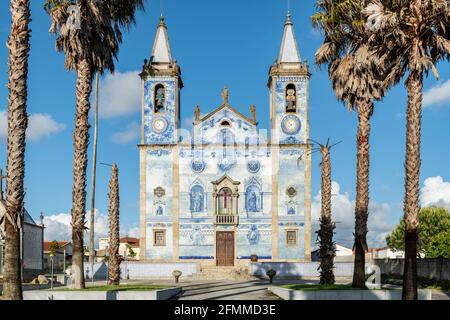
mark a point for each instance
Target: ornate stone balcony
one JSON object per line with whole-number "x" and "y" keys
{"x": 226, "y": 219}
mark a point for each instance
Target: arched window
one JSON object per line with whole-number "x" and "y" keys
{"x": 225, "y": 123}
{"x": 227, "y": 137}
{"x": 291, "y": 98}
{"x": 228, "y": 142}
{"x": 225, "y": 201}
{"x": 159, "y": 99}
{"x": 197, "y": 199}
{"x": 253, "y": 199}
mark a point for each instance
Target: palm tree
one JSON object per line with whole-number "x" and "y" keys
{"x": 327, "y": 249}
{"x": 355, "y": 79}
{"x": 18, "y": 48}
{"x": 114, "y": 258}
{"x": 89, "y": 33}
{"x": 415, "y": 35}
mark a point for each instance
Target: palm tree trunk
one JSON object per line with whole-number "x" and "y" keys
{"x": 114, "y": 259}
{"x": 411, "y": 205}
{"x": 81, "y": 142}
{"x": 362, "y": 192}
{"x": 327, "y": 249}
{"x": 19, "y": 47}
{"x": 94, "y": 169}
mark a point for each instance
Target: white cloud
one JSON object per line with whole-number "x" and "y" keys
{"x": 120, "y": 94}
{"x": 437, "y": 95}
{"x": 435, "y": 192}
{"x": 40, "y": 125}
{"x": 129, "y": 134}
{"x": 186, "y": 123}
{"x": 343, "y": 213}
{"x": 57, "y": 227}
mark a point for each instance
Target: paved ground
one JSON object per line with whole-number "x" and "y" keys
{"x": 246, "y": 290}
{"x": 234, "y": 290}
{"x": 230, "y": 290}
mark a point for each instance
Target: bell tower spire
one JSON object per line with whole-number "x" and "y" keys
{"x": 161, "y": 48}
{"x": 289, "y": 50}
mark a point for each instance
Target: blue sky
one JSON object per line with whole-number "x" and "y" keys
{"x": 217, "y": 43}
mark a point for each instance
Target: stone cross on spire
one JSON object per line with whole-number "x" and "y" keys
{"x": 225, "y": 95}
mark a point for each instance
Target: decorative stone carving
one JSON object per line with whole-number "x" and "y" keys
{"x": 159, "y": 192}
{"x": 198, "y": 166}
{"x": 291, "y": 191}
{"x": 253, "y": 166}
{"x": 253, "y": 235}
{"x": 197, "y": 114}
{"x": 197, "y": 237}
{"x": 225, "y": 95}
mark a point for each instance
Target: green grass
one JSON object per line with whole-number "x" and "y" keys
{"x": 315, "y": 287}
{"x": 127, "y": 287}
{"x": 320, "y": 287}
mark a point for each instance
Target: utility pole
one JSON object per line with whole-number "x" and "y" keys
{"x": 94, "y": 169}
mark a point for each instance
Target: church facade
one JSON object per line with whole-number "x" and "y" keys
{"x": 227, "y": 192}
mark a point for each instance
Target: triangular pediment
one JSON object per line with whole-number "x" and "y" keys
{"x": 229, "y": 108}
{"x": 225, "y": 178}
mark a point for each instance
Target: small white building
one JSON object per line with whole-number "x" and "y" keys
{"x": 31, "y": 246}
{"x": 128, "y": 246}
{"x": 343, "y": 254}
{"x": 387, "y": 253}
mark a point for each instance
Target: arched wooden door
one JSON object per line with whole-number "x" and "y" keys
{"x": 225, "y": 248}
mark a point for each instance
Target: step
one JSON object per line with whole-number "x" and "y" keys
{"x": 222, "y": 273}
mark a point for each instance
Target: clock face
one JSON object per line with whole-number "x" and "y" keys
{"x": 290, "y": 125}
{"x": 159, "y": 125}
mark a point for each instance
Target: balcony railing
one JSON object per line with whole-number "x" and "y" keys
{"x": 226, "y": 219}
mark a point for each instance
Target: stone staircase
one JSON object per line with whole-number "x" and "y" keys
{"x": 223, "y": 273}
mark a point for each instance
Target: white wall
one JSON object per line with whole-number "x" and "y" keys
{"x": 145, "y": 270}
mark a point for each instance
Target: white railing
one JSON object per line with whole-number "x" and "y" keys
{"x": 226, "y": 219}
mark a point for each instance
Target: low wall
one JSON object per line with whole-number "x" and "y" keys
{"x": 437, "y": 269}
{"x": 288, "y": 294}
{"x": 142, "y": 270}
{"x": 298, "y": 269}
{"x": 163, "y": 294}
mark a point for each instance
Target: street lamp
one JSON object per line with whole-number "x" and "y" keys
{"x": 51, "y": 279}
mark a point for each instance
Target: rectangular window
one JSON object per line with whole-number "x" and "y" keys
{"x": 159, "y": 238}
{"x": 291, "y": 237}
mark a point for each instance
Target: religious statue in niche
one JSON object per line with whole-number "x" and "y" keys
{"x": 160, "y": 98}
{"x": 159, "y": 211}
{"x": 197, "y": 199}
{"x": 291, "y": 98}
{"x": 253, "y": 235}
{"x": 253, "y": 199}
{"x": 291, "y": 211}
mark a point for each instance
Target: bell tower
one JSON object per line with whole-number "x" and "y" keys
{"x": 161, "y": 85}
{"x": 288, "y": 86}
{"x": 291, "y": 163}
